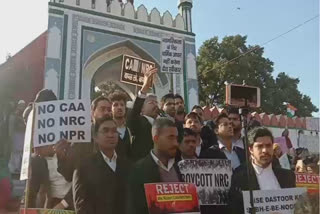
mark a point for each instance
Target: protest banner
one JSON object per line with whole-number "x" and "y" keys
{"x": 62, "y": 119}
{"x": 212, "y": 178}
{"x": 24, "y": 174}
{"x": 172, "y": 55}
{"x": 309, "y": 181}
{"x": 133, "y": 70}
{"x": 165, "y": 198}
{"x": 45, "y": 211}
{"x": 282, "y": 143}
{"x": 284, "y": 161}
{"x": 273, "y": 201}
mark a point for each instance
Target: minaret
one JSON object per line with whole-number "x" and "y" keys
{"x": 185, "y": 7}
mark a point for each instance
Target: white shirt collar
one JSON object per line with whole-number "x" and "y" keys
{"x": 114, "y": 157}
{"x": 112, "y": 163}
{"x": 266, "y": 178}
{"x": 160, "y": 164}
{"x": 222, "y": 146}
{"x": 238, "y": 143}
{"x": 122, "y": 131}
{"x": 150, "y": 119}
{"x": 259, "y": 170}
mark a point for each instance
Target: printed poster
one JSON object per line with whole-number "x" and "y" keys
{"x": 273, "y": 201}
{"x": 168, "y": 198}
{"x": 62, "y": 119}
{"x": 212, "y": 178}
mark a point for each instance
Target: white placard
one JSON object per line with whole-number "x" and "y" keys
{"x": 273, "y": 201}
{"x": 172, "y": 55}
{"x": 212, "y": 178}
{"x": 284, "y": 161}
{"x": 68, "y": 119}
{"x": 24, "y": 174}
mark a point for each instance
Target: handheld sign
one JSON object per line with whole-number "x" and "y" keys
{"x": 284, "y": 161}
{"x": 168, "y": 198}
{"x": 133, "y": 70}
{"x": 172, "y": 55}
{"x": 282, "y": 143}
{"x": 273, "y": 201}
{"x": 55, "y": 120}
{"x": 309, "y": 181}
{"x": 212, "y": 178}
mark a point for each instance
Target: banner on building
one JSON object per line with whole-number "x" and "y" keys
{"x": 167, "y": 198}
{"x": 133, "y": 70}
{"x": 212, "y": 178}
{"x": 172, "y": 55}
{"x": 62, "y": 119}
{"x": 309, "y": 181}
{"x": 273, "y": 201}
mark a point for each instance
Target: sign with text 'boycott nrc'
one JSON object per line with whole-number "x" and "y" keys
{"x": 212, "y": 178}
{"x": 62, "y": 119}
{"x": 273, "y": 201}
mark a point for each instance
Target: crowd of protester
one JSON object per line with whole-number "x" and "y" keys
{"x": 130, "y": 148}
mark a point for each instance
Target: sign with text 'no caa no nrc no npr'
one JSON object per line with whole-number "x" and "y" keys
{"x": 55, "y": 120}
{"x": 133, "y": 70}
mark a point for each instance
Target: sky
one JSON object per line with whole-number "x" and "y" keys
{"x": 296, "y": 53}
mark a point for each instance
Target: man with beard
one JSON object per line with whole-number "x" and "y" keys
{"x": 145, "y": 110}
{"x": 119, "y": 100}
{"x": 224, "y": 132}
{"x": 234, "y": 117}
{"x": 264, "y": 176}
{"x": 167, "y": 106}
{"x": 179, "y": 106}
{"x": 158, "y": 166}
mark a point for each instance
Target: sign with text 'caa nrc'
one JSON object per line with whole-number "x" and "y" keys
{"x": 55, "y": 120}
{"x": 133, "y": 70}
{"x": 273, "y": 201}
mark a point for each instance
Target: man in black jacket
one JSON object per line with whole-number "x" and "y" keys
{"x": 145, "y": 111}
{"x": 224, "y": 131}
{"x": 99, "y": 183}
{"x": 204, "y": 141}
{"x": 119, "y": 100}
{"x": 158, "y": 166}
{"x": 263, "y": 176}
{"x": 69, "y": 155}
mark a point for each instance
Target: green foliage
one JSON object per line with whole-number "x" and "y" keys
{"x": 215, "y": 67}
